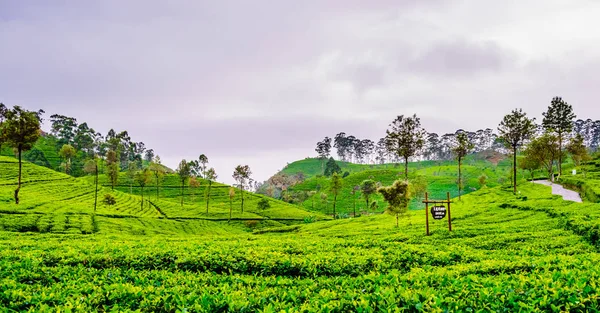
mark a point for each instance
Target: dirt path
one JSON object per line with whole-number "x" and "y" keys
{"x": 567, "y": 194}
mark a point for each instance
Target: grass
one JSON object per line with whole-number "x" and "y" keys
{"x": 526, "y": 253}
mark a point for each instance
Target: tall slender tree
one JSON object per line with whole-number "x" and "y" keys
{"x": 559, "y": 119}
{"x": 324, "y": 151}
{"x": 405, "y": 138}
{"x": 579, "y": 151}
{"x": 335, "y": 187}
{"x": 142, "y": 177}
{"x": 67, "y": 152}
{"x": 158, "y": 170}
{"x": 514, "y": 129}
{"x": 241, "y": 174}
{"x": 91, "y": 167}
{"x": 368, "y": 188}
{"x": 184, "y": 172}
{"x": 21, "y": 130}
{"x": 461, "y": 149}
{"x": 211, "y": 175}
{"x": 203, "y": 161}
{"x": 112, "y": 168}
{"x": 231, "y": 195}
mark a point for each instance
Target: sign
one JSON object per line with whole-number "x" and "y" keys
{"x": 438, "y": 212}
{"x": 574, "y": 172}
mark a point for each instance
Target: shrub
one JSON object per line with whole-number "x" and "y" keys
{"x": 251, "y": 223}
{"x": 263, "y": 204}
{"x": 109, "y": 199}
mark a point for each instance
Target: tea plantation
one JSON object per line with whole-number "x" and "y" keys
{"x": 526, "y": 253}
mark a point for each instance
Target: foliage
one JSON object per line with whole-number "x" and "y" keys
{"x": 559, "y": 120}
{"x": 397, "y": 196}
{"x": 331, "y": 167}
{"x": 109, "y": 199}
{"x": 112, "y": 167}
{"x": 335, "y": 187}
{"x": 544, "y": 150}
{"x": 405, "y": 138}
{"x": 514, "y": 129}
{"x": 263, "y": 204}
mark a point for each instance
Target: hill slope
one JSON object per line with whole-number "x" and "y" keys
{"x": 441, "y": 178}
{"x": 55, "y": 202}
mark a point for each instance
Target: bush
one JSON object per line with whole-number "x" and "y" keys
{"x": 263, "y": 204}
{"x": 109, "y": 199}
{"x": 251, "y": 223}
{"x": 310, "y": 219}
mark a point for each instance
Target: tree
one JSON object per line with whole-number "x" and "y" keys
{"x": 335, "y": 187}
{"x": 355, "y": 189}
{"x": 529, "y": 163}
{"x": 405, "y": 138}
{"x": 142, "y": 177}
{"x": 368, "y": 188}
{"x": 67, "y": 152}
{"x": 397, "y": 196}
{"x": 324, "y": 199}
{"x": 241, "y": 174}
{"x": 231, "y": 195}
{"x": 263, "y": 204}
{"x": 203, "y": 161}
{"x": 132, "y": 168}
{"x": 112, "y": 167}
{"x": 578, "y": 150}
{"x": 482, "y": 179}
{"x": 324, "y": 151}
{"x": 461, "y": 149}
{"x": 559, "y": 120}
{"x": 514, "y": 129}
{"x": 544, "y": 150}
{"x": 418, "y": 187}
{"x": 331, "y": 168}
{"x": 91, "y": 167}
{"x": 194, "y": 184}
{"x": 312, "y": 194}
{"x": 158, "y": 170}
{"x": 184, "y": 172}
{"x": 211, "y": 176}
{"x": 3, "y": 112}
{"x": 64, "y": 128}
{"x": 21, "y": 130}
{"x": 149, "y": 156}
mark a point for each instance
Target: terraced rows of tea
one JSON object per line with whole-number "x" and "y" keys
{"x": 55, "y": 202}
{"x": 527, "y": 253}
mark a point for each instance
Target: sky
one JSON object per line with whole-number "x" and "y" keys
{"x": 260, "y": 82}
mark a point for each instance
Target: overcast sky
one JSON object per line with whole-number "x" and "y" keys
{"x": 260, "y": 82}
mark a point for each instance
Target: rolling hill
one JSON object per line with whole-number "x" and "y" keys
{"x": 55, "y": 202}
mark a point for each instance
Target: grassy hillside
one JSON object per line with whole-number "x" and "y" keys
{"x": 55, "y": 202}
{"x": 586, "y": 180}
{"x": 441, "y": 176}
{"x": 530, "y": 253}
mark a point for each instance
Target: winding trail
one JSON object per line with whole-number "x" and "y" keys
{"x": 557, "y": 189}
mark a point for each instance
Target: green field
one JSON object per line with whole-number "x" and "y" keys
{"x": 529, "y": 252}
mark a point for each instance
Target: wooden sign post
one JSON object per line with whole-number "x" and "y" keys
{"x": 438, "y": 211}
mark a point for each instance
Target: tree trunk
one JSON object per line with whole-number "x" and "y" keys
{"x": 406, "y": 168}
{"x": 20, "y": 172}
{"x": 397, "y": 225}
{"x": 156, "y": 175}
{"x": 242, "y": 190}
{"x": 96, "y": 191}
{"x": 354, "y": 196}
{"x": 334, "y": 202}
{"x": 142, "y": 204}
{"x": 182, "y": 185}
{"x": 559, "y": 154}
{"x": 367, "y": 209}
{"x": 208, "y": 195}
{"x": 515, "y": 170}
{"x": 459, "y": 177}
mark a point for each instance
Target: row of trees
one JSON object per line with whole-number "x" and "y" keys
{"x": 438, "y": 147}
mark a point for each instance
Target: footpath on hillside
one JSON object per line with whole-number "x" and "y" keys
{"x": 557, "y": 189}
